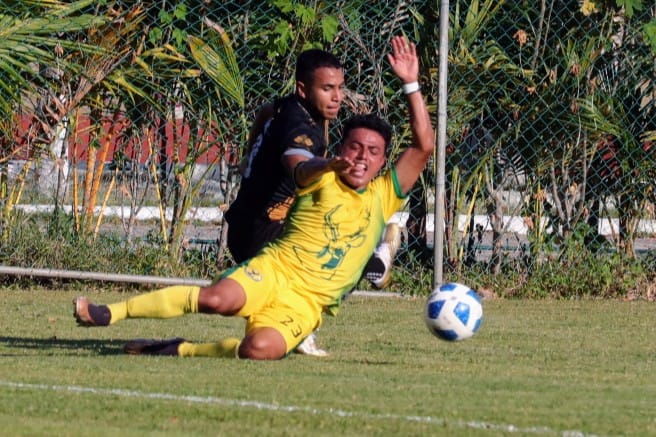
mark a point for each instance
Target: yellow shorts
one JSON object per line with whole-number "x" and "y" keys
{"x": 271, "y": 303}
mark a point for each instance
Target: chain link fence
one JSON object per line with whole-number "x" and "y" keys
{"x": 130, "y": 118}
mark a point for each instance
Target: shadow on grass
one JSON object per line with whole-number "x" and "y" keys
{"x": 100, "y": 347}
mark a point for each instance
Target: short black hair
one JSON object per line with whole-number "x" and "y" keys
{"x": 368, "y": 121}
{"x": 311, "y": 60}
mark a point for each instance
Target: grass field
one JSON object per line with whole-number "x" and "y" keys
{"x": 535, "y": 368}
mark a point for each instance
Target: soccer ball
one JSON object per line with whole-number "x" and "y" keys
{"x": 453, "y": 312}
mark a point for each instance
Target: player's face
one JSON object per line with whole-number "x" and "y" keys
{"x": 366, "y": 149}
{"x": 325, "y": 93}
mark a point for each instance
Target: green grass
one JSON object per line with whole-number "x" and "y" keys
{"x": 535, "y": 368}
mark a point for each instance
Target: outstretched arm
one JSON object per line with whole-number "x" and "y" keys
{"x": 308, "y": 171}
{"x": 405, "y": 64}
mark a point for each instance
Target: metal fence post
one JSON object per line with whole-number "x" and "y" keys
{"x": 438, "y": 222}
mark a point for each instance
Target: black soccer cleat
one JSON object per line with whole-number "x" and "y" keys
{"x": 88, "y": 314}
{"x": 144, "y": 346}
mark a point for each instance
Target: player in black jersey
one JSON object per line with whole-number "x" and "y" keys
{"x": 294, "y": 130}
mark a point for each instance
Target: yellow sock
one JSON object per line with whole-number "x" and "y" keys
{"x": 224, "y": 349}
{"x": 161, "y": 304}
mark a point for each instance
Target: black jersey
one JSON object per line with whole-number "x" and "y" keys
{"x": 266, "y": 191}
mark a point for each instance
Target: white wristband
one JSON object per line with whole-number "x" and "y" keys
{"x": 409, "y": 88}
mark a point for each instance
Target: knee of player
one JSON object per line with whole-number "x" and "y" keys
{"x": 262, "y": 347}
{"x": 220, "y": 298}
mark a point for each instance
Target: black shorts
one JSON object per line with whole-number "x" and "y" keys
{"x": 246, "y": 239}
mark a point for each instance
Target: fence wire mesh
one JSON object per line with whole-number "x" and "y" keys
{"x": 129, "y": 118}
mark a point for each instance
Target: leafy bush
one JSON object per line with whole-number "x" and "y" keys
{"x": 577, "y": 273}
{"x": 38, "y": 243}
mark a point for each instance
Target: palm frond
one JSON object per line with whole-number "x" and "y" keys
{"x": 220, "y": 65}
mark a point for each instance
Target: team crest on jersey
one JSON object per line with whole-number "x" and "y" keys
{"x": 252, "y": 273}
{"x": 303, "y": 140}
{"x": 338, "y": 244}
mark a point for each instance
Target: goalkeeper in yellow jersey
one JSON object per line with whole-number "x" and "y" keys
{"x": 335, "y": 223}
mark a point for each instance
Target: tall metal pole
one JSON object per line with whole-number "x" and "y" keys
{"x": 439, "y": 213}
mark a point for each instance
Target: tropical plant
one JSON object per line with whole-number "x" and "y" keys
{"x": 36, "y": 57}
{"x": 618, "y": 115}
{"x": 483, "y": 82}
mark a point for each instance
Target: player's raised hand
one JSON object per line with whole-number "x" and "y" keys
{"x": 404, "y": 60}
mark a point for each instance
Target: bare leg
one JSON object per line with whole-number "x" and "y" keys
{"x": 263, "y": 344}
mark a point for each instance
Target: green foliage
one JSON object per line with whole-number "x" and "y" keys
{"x": 649, "y": 30}
{"x": 508, "y": 283}
{"x": 630, "y": 6}
{"x": 39, "y": 242}
{"x": 204, "y": 261}
{"x": 579, "y": 273}
{"x": 572, "y": 271}
{"x": 218, "y": 61}
{"x": 410, "y": 278}
{"x": 300, "y": 25}
{"x": 172, "y": 26}
{"x": 33, "y": 38}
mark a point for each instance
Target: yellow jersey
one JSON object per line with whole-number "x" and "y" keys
{"x": 330, "y": 234}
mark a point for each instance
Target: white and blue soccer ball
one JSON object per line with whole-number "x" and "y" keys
{"x": 453, "y": 312}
